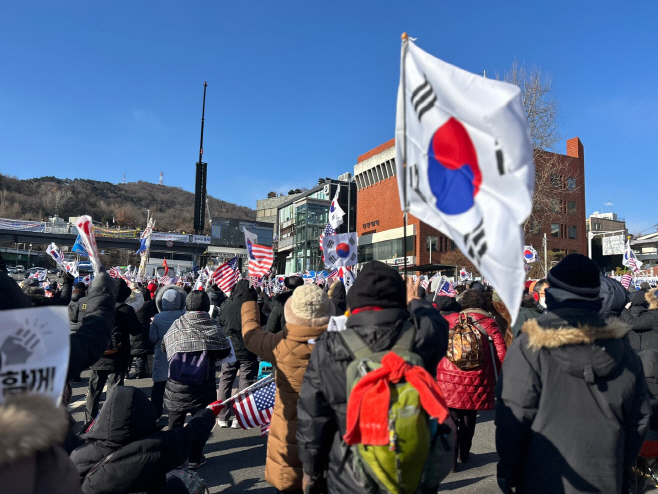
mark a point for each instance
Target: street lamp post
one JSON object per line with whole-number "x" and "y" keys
{"x": 17, "y": 244}
{"x": 28, "y": 256}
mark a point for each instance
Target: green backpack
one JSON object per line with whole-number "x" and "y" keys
{"x": 420, "y": 451}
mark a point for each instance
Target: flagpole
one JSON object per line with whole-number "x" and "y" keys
{"x": 405, "y": 43}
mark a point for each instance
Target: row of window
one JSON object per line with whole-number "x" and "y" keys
{"x": 375, "y": 174}
{"x": 388, "y": 249}
{"x": 262, "y": 213}
{"x": 559, "y": 230}
{"x": 562, "y": 182}
{"x": 561, "y": 206}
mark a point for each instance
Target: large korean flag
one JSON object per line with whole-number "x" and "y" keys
{"x": 470, "y": 171}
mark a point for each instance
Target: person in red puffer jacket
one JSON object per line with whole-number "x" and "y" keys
{"x": 467, "y": 391}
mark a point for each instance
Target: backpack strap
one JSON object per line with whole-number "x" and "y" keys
{"x": 406, "y": 339}
{"x": 355, "y": 344}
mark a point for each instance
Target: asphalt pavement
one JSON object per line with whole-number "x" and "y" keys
{"x": 236, "y": 457}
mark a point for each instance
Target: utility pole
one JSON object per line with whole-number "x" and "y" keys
{"x": 201, "y": 177}
{"x": 544, "y": 242}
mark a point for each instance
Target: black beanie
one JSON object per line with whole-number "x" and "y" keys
{"x": 197, "y": 300}
{"x": 377, "y": 285}
{"x": 122, "y": 290}
{"x": 292, "y": 282}
{"x": 577, "y": 274}
{"x": 80, "y": 286}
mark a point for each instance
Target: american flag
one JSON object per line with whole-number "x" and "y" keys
{"x": 256, "y": 280}
{"x": 333, "y": 276}
{"x": 261, "y": 258}
{"x": 165, "y": 280}
{"x": 445, "y": 289}
{"x": 328, "y": 230}
{"x": 626, "y": 280}
{"x": 264, "y": 430}
{"x": 319, "y": 277}
{"x": 254, "y": 407}
{"x": 424, "y": 282}
{"x": 227, "y": 275}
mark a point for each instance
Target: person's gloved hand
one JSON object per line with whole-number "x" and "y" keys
{"x": 216, "y": 407}
{"x": 314, "y": 485}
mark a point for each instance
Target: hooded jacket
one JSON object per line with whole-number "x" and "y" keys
{"x": 289, "y": 351}
{"x": 337, "y": 295}
{"x": 32, "y": 461}
{"x": 231, "y": 319}
{"x": 277, "y": 319}
{"x": 322, "y": 405}
{"x": 78, "y": 298}
{"x": 642, "y": 317}
{"x": 572, "y": 406}
{"x": 473, "y": 389}
{"x": 142, "y": 455}
{"x": 216, "y": 297}
{"x": 126, "y": 322}
{"x": 530, "y": 309}
{"x": 140, "y": 344}
{"x": 170, "y": 301}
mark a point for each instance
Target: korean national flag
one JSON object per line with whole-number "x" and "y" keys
{"x": 340, "y": 250}
{"x": 336, "y": 213}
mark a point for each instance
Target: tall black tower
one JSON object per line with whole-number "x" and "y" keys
{"x": 201, "y": 178}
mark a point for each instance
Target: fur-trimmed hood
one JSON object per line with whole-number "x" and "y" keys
{"x": 29, "y": 423}
{"x": 652, "y": 299}
{"x": 585, "y": 351}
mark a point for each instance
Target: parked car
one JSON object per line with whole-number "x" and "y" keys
{"x": 11, "y": 270}
{"x": 20, "y": 268}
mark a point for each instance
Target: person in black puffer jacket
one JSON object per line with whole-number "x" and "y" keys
{"x": 277, "y": 320}
{"x": 572, "y": 406}
{"x": 337, "y": 295}
{"x": 194, "y": 342}
{"x": 614, "y": 297}
{"x": 38, "y": 295}
{"x": 380, "y": 303}
{"x": 231, "y": 321}
{"x": 138, "y": 455}
{"x": 642, "y": 316}
{"x": 140, "y": 345}
{"x": 111, "y": 368}
{"x": 77, "y": 300}
{"x": 217, "y": 298}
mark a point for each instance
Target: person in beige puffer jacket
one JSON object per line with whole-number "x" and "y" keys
{"x": 307, "y": 314}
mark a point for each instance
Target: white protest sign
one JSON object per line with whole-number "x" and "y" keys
{"x": 231, "y": 356}
{"x": 34, "y": 351}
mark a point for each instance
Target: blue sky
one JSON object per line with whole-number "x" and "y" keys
{"x": 297, "y": 90}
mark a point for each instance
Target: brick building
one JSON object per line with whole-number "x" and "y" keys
{"x": 565, "y": 223}
{"x": 380, "y": 224}
{"x": 379, "y": 220}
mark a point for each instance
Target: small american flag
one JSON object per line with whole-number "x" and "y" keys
{"x": 165, "y": 280}
{"x": 227, "y": 275}
{"x": 256, "y": 281}
{"x": 626, "y": 280}
{"x": 333, "y": 276}
{"x": 254, "y": 408}
{"x": 445, "y": 289}
{"x": 328, "y": 230}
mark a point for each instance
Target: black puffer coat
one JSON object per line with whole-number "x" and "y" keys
{"x": 75, "y": 314}
{"x": 217, "y": 298}
{"x": 322, "y": 405}
{"x": 571, "y": 405}
{"x": 337, "y": 295}
{"x": 126, "y": 426}
{"x": 642, "y": 317}
{"x": 231, "y": 319}
{"x": 140, "y": 344}
{"x": 127, "y": 323}
{"x": 277, "y": 320}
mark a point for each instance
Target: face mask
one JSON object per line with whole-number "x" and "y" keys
{"x": 542, "y": 301}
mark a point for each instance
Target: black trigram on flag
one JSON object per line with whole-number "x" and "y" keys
{"x": 330, "y": 244}
{"x": 423, "y": 98}
{"x": 352, "y": 241}
{"x": 476, "y": 243}
{"x": 333, "y": 258}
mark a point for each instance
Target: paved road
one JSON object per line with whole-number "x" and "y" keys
{"x": 236, "y": 458}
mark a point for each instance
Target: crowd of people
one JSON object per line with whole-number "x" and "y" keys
{"x": 378, "y": 387}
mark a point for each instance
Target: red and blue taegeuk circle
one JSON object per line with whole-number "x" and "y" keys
{"x": 453, "y": 171}
{"x": 528, "y": 254}
{"x": 343, "y": 250}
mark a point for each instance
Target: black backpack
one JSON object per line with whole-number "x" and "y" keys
{"x": 116, "y": 341}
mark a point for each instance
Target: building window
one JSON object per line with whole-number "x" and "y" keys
{"x": 571, "y": 207}
{"x": 555, "y": 180}
{"x": 571, "y": 183}
{"x": 555, "y": 229}
{"x": 597, "y": 226}
{"x": 573, "y": 230}
{"x": 535, "y": 228}
{"x": 555, "y": 205}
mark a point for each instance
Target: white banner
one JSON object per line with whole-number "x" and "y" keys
{"x": 613, "y": 245}
{"x": 34, "y": 351}
{"x": 174, "y": 237}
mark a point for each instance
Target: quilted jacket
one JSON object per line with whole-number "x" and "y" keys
{"x": 473, "y": 389}
{"x": 289, "y": 351}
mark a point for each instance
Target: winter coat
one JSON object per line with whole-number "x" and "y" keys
{"x": 216, "y": 297}
{"x": 142, "y": 455}
{"x": 277, "y": 320}
{"x": 230, "y": 318}
{"x": 169, "y": 312}
{"x": 337, "y": 295}
{"x": 572, "y": 406}
{"x": 75, "y": 315}
{"x": 445, "y": 305}
{"x": 614, "y": 297}
{"x": 529, "y": 310}
{"x": 181, "y": 397}
{"x": 127, "y": 323}
{"x": 642, "y": 317}
{"x": 289, "y": 351}
{"x": 322, "y": 405}
{"x": 473, "y": 389}
{"x": 32, "y": 460}
{"x": 140, "y": 344}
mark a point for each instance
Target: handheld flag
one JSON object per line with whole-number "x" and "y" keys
{"x": 86, "y": 232}
{"x": 226, "y": 275}
{"x": 630, "y": 261}
{"x": 56, "y": 254}
{"x": 336, "y": 213}
{"x": 340, "y": 250}
{"x": 261, "y": 258}
{"x": 465, "y": 164}
{"x": 79, "y": 247}
{"x": 164, "y": 265}
{"x": 249, "y": 240}
{"x": 254, "y": 408}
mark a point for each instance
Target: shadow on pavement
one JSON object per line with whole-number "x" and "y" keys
{"x": 457, "y": 484}
{"x": 478, "y": 460}
{"x": 237, "y": 443}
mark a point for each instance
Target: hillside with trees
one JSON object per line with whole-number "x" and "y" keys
{"x": 121, "y": 205}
